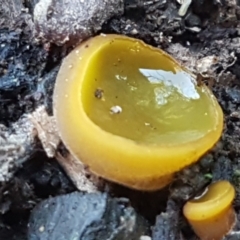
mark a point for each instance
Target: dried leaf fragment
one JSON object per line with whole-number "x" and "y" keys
{"x": 46, "y": 130}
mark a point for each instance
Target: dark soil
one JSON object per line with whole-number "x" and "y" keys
{"x": 27, "y": 73}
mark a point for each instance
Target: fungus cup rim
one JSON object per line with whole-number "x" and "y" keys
{"x": 200, "y": 209}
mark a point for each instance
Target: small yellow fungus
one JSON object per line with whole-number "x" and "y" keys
{"x": 212, "y": 215}
{"x": 131, "y": 113}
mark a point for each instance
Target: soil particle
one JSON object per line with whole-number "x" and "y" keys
{"x": 222, "y": 169}
{"x": 99, "y": 93}
{"x": 167, "y": 224}
{"x": 192, "y": 180}
{"x": 16, "y": 146}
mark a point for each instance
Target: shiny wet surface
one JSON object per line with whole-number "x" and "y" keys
{"x": 145, "y": 96}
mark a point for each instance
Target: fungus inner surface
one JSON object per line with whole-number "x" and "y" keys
{"x": 136, "y": 92}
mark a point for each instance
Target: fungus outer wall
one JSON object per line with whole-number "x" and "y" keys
{"x": 212, "y": 215}
{"x": 143, "y": 143}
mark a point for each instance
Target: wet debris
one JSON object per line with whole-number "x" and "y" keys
{"x": 115, "y": 109}
{"x": 72, "y": 21}
{"x": 204, "y": 65}
{"x": 85, "y": 216}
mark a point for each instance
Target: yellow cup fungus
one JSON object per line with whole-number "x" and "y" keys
{"x": 212, "y": 215}
{"x": 131, "y": 113}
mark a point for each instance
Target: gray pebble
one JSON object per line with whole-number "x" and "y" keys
{"x": 85, "y": 216}
{"x": 72, "y": 21}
